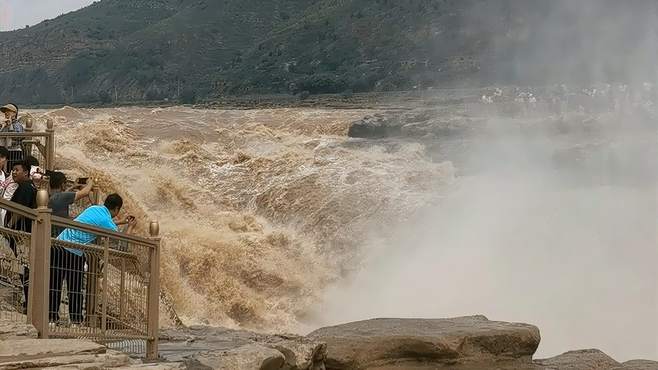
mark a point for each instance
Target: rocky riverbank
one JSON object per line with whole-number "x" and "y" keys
{"x": 463, "y": 343}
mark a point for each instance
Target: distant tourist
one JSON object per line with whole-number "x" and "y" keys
{"x": 68, "y": 263}
{"x": 10, "y": 123}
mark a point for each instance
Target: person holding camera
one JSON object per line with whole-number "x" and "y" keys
{"x": 60, "y": 199}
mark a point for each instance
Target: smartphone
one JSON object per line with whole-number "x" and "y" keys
{"x": 82, "y": 180}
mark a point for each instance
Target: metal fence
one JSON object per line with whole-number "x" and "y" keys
{"x": 40, "y": 145}
{"x": 14, "y": 273}
{"x": 106, "y": 290}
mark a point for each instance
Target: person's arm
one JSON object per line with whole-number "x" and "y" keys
{"x": 130, "y": 223}
{"x": 84, "y": 192}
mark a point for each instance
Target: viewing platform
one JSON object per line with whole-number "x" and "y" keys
{"x": 107, "y": 292}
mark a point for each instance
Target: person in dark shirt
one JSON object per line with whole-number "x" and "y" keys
{"x": 60, "y": 200}
{"x": 25, "y": 195}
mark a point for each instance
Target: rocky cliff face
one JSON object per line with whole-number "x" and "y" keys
{"x": 464, "y": 343}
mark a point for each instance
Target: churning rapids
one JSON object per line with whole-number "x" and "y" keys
{"x": 275, "y": 220}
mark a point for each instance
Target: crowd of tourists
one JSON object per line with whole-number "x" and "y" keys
{"x": 20, "y": 178}
{"x": 560, "y": 99}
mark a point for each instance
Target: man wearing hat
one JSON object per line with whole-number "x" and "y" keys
{"x": 10, "y": 123}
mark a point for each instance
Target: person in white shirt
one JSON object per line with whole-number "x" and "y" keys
{"x": 4, "y": 157}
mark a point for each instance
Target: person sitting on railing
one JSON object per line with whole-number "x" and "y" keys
{"x": 70, "y": 261}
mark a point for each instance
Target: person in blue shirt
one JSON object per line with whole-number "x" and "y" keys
{"x": 68, "y": 263}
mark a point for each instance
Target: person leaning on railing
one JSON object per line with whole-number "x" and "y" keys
{"x": 69, "y": 262}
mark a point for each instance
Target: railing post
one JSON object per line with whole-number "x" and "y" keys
{"x": 96, "y": 191}
{"x": 50, "y": 145}
{"x": 104, "y": 294}
{"x": 28, "y": 129}
{"x": 122, "y": 290}
{"x": 153, "y": 300}
{"x": 39, "y": 285}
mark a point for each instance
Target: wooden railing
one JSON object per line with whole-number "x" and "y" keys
{"x": 108, "y": 293}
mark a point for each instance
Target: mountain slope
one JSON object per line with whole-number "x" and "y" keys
{"x": 170, "y": 49}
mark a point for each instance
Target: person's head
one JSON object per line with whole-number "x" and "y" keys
{"x": 20, "y": 171}
{"x": 4, "y": 157}
{"x": 113, "y": 203}
{"x": 10, "y": 111}
{"x": 57, "y": 180}
{"x": 32, "y": 161}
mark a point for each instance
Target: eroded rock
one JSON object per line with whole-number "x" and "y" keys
{"x": 247, "y": 357}
{"x": 17, "y": 330}
{"x": 638, "y": 365}
{"x": 427, "y": 343}
{"x": 585, "y": 359}
{"x": 23, "y": 349}
{"x": 299, "y": 353}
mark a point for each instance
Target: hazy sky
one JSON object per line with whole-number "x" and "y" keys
{"x": 19, "y": 13}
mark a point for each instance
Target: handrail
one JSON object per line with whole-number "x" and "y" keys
{"x": 61, "y": 221}
{"x": 18, "y": 209}
{"x": 95, "y": 248}
{"x": 23, "y": 134}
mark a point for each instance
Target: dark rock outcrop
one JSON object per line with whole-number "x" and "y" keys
{"x": 428, "y": 344}
{"x": 415, "y": 124}
{"x": 375, "y": 127}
